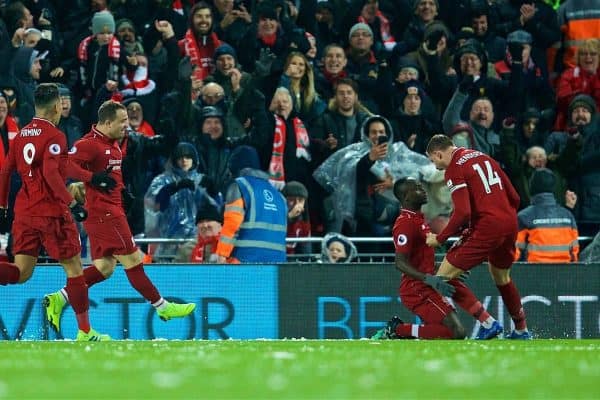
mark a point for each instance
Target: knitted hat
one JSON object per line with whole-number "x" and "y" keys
{"x": 360, "y": 25}
{"x": 101, "y": 21}
{"x": 64, "y": 91}
{"x": 406, "y": 62}
{"x": 185, "y": 149}
{"x": 519, "y": 36}
{"x": 466, "y": 32}
{"x": 435, "y": 26}
{"x": 542, "y": 181}
{"x": 124, "y": 23}
{"x": 243, "y": 157}
{"x": 224, "y": 49}
{"x": 582, "y": 100}
{"x": 266, "y": 9}
{"x": 462, "y": 127}
{"x": 210, "y": 112}
{"x": 530, "y": 113}
{"x": 295, "y": 189}
{"x": 209, "y": 212}
{"x": 410, "y": 87}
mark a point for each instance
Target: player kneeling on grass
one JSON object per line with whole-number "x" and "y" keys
{"x": 420, "y": 290}
{"x": 109, "y": 234}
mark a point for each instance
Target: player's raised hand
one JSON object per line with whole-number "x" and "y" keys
{"x": 440, "y": 284}
{"x": 103, "y": 181}
{"x": 79, "y": 213}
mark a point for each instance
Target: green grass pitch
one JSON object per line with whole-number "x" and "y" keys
{"x": 301, "y": 369}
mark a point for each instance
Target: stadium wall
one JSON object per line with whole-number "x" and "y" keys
{"x": 313, "y": 301}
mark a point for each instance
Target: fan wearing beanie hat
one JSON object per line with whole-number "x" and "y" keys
{"x": 547, "y": 231}
{"x": 299, "y": 225}
{"x": 255, "y": 218}
{"x": 103, "y": 22}
{"x": 581, "y": 110}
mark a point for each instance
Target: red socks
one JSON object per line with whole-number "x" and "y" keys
{"x": 77, "y": 291}
{"x": 9, "y": 273}
{"x": 92, "y": 276}
{"x": 464, "y": 297}
{"x": 512, "y": 301}
{"x": 430, "y": 331}
{"x": 140, "y": 282}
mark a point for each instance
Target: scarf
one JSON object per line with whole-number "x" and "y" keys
{"x": 114, "y": 49}
{"x": 384, "y": 28}
{"x": 333, "y": 79}
{"x": 137, "y": 83}
{"x": 200, "y": 56}
{"x": 198, "y": 255}
{"x": 276, "y": 170}
{"x": 269, "y": 40}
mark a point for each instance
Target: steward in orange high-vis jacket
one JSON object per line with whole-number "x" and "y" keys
{"x": 547, "y": 231}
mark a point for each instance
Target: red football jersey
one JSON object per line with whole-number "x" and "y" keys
{"x": 39, "y": 154}
{"x": 96, "y": 152}
{"x": 409, "y": 233}
{"x": 482, "y": 195}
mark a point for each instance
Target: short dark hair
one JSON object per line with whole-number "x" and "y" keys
{"x": 346, "y": 81}
{"x": 400, "y": 187}
{"x": 439, "y": 142}
{"x": 108, "y": 111}
{"x": 45, "y": 95}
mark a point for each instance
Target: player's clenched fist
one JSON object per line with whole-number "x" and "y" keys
{"x": 431, "y": 240}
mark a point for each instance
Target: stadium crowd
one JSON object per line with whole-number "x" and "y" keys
{"x": 338, "y": 97}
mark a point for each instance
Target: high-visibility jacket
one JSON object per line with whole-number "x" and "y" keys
{"x": 579, "y": 20}
{"x": 261, "y": 237}
{"x": 547, "y": 232}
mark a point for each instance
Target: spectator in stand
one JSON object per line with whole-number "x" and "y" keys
{"x": 137, "y": 122}
{"x": 547, "y": 231}
{"x": 425, "y": 11}
{"x": 126, "y": 34}
{"x": 579, "y": 162}
{"x": 162, "y": 51}
{"x": 200, "y": 41}
{"x": 209, "y": 222}
{"x": 481, "y": 118}
{"x": 334, "y": 64}
{"x": 494, "y": 45}
{"x": 340, "y": 124}
{"x": 337, "y": 248}
{"x": 255, "y": 218}
{"x": 299, "y": 80}
{"x": 409, "y": 122}
{"x": 536, "y": 88}
{"x": 584, "y": 78}
{"x": 576, "y": 27}
{"x": 298, "y": 220}
{"x": 25, "y": 73}
{"x": 434, "y": 59}
{"x": 100, "y": 61}
{"x": 243, "y": 102}
{"x": 326, "y": 29}
{"x": 173, "y": 199}
{"x": 231, "y": 20}
{"x": 69, "y": 123}
{"x": 288, "y": 151}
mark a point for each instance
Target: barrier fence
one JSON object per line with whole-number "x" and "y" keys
{"x": 295, "y": 300}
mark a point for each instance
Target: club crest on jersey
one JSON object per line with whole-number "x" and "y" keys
{"x": 73, "y": 150}
{"x": 402, "y": 240}
{"x": 54, "y": 149}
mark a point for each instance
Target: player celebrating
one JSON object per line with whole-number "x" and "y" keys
{"x": 110, "y": 237}
{"x": 485, "y": 200}
{"x": 416, "y": 262}
{"x": 42, "y": 216}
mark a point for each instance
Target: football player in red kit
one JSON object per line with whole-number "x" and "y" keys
{"x": 420, "y": 290}
{"x": 110, "y": 237}
{"x": 44, "y": 209}
{"x": 486, "y": 202}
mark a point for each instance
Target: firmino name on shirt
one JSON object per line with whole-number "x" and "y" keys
{"x": 31, "y": 132}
